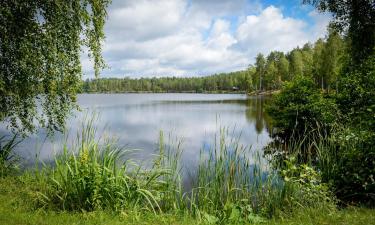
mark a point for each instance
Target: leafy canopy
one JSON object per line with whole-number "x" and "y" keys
{"x": 357, "y": 19}
{"x": 40, "y": 47}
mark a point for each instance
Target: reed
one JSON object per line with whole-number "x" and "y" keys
{"x": 9, "y": 161}
{"x": 92, "y": 175}
{"x": 232, "y": 182}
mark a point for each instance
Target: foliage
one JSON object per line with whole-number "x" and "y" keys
{"x": 260, "y": 64}
{"x": 8, "y": 159}
{"x": 40, "y": 49}
{"x": 356, "y": 19}
{"x": 228, "y": 188}
{"x": 355, "y": 168}
{"x": 339, "y": 128}
{"x": 300, "y": 108}
{"x": 356, "y": 97}
{"x": 352, "y": 166}
{"x": 233, "y": 189}
{"x": 17, "y": 208}
{"x": 322, "y": 61}
{"x": 311, "y": 191}
{"x": 215, "y": 83}
{"x": 94, "y": 176}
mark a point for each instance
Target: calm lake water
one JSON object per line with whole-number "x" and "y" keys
{"x": 136, "y": 120}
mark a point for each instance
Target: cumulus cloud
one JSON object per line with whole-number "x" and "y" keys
{"x": 269, "y": 31}
{"x": 191, "y": 37}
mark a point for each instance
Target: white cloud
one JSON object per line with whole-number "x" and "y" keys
{"x": 144, "y": 19}
{"x": 191, "y": 37}
{"x": 270, "y": 30}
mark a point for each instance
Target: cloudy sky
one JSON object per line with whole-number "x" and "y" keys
{"x": 146, "y": 38}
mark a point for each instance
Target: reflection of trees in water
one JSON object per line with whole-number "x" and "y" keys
{"x": 255, "y": 113}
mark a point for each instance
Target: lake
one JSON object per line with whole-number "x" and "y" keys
{"x": 136, "y": 120}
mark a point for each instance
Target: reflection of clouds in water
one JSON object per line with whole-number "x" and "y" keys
{"x": 136, "y": 120}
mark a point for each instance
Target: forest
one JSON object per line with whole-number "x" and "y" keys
{"x": 322, "y": 61}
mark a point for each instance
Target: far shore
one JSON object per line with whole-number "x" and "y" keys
{"x": 264, "y": 93}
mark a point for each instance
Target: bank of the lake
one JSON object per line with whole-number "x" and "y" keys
{"x": 228, "y": 183}
{"x": 17, "y": 208}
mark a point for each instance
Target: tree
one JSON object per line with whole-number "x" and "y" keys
{"x": 260, "y": 65}
{"x": 296, "y": 63}
{"x": 271, "y": 75}
{"x": 307, "y": 57}
{"x": 331, "y": 56}
{"x": 358, "y": 18}
{"x": 300, "y": 108}
{"x": 40, "y": 70}
{"x": 283, "y": 67}
{"x": 317, "y": 62}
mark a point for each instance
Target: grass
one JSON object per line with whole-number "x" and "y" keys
{"x": 91, "y": 175}
{"x": 8, "y": 160}
{"x": 94, "y": 181}
{"x": 17, "y": 208}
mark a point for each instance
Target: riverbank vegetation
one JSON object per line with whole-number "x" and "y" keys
{"x": 95, "y": 182}
{"x": 321, "y": 160}
{"x": 228, "y": 186}
{"x": 343, "y": 119}
{"x": 16, "y": 208}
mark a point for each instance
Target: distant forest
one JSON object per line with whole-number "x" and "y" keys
{"x": 322, "y": 61}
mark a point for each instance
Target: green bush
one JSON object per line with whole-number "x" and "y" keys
{"x": 356, "y": 98}
{"x": 310, "y": 190}
{"x": 353, "y": 166}
{"x": 355, "y": 140}
{"x": 301, "y": 108}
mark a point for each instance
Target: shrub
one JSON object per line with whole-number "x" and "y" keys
{"x": 356, "y": 98}
{"x": 353, "y": 166}
{"x": 300, "y": 108}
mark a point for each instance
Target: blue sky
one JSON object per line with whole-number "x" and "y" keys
{"x": 146, "y": 38}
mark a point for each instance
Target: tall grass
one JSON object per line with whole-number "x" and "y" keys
{"x": 232, "y": 183}
{"x": 92, "y": 175}
{"x": 8, "y": 159}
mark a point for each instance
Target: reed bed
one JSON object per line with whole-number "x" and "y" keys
{"x": 232, "y": 183}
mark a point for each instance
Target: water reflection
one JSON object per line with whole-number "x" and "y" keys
{"x": 256, "y": 113}
{"x": 136, "y": 120}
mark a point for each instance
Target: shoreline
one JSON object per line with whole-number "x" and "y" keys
{"x": 264, "y": 93}
{"x": 166, "y": 92}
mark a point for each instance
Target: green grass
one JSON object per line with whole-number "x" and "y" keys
{"x": 94, "y": 181}
{"x": 17, "y": 208}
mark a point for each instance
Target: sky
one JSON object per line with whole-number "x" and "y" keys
{"x": 156, "y": 38}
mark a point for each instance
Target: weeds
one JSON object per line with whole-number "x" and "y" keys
{"x": 233, "y": 184}
{"x": 93, "y": 175}
{"x": 8, "y": 159}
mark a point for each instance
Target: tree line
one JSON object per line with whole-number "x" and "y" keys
{"x": 322, "y": 61}
{"x": 224, "y": 82}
